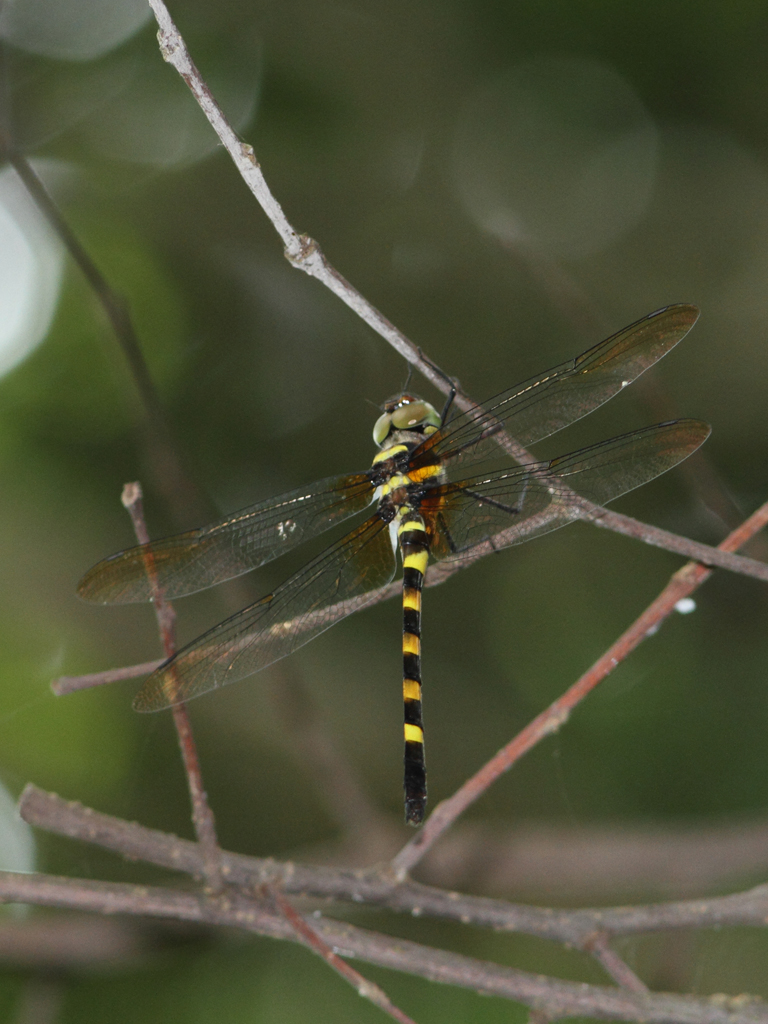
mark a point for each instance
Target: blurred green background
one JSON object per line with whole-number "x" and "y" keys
{"x": 508, "y": 183}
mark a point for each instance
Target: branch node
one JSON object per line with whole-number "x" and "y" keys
{"x": 249, "y": 154}
{"x": 169, "y": 44}
{"x": 308, "y": 256}
{"x": 131, "y": 493}
{"x": 555, "y": 721}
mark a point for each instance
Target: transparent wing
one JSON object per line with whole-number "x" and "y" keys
{"x": 296, "y": 612}
{"x": 543, "y": 405}
{"x": 527, "y": 501}
{"x": 201, "y": 558}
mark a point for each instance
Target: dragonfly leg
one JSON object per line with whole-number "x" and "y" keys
{"x": 448, "y": 403}
{"x": 513, "y": 510}
{"x": 483, "y": 499}
{"x": 451, "y": 383}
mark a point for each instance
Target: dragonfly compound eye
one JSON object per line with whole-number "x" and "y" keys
{"x": 415, "y": 416}
{"x": 381, "y": 429}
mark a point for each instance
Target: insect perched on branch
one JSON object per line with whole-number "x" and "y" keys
{"x": 427, "y": 494}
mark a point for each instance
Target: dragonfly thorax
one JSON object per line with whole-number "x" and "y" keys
{"x": 408, "y": 414}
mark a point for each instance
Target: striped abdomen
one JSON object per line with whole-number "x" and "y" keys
{"x": 414, "y": 547}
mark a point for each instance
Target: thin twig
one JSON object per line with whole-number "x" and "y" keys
{"x": 682, "y": 584}
{"x": 330, "y": 773}
{"x": 714, "y": 558}
{"x": 202, "y": 815}
{"x": 552, "y": 996}
{"x": 311, "y": 938}
{"x": 71, "y": 684}
{"x": 612, "y": 963}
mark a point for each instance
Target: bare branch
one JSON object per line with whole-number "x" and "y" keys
{"x": 202, "y": 815}
{"x": 71, "y": 684}
{"x": 715, "y": 558}
{"x": 580, "y": 508}
{"x": 553, "y": 997}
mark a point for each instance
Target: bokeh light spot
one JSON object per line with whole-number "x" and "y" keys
{"x": 557, "y": 154}
{"x": 31, "y": 264}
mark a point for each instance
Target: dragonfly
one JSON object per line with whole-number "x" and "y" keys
{"x": 435, "y": 490}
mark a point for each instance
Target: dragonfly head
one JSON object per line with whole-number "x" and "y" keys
{"x": 405, "y": 412}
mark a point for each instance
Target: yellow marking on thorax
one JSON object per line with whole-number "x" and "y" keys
{"x": 425, "y": 472}
{"x": 414, "y": 734}
{"x": 411, "y": 644}
{"x": 387, "y": 453}
{"x": 412, "y": 598}
{"x": 411, "y": 690}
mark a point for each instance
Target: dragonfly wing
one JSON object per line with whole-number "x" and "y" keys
{"x": 193, "y": 561}
{"x": 543, "y": 405}
{"x": 607, "y": 470}
{"x": 527, "y": 501}
{"x": 296, "y": 612}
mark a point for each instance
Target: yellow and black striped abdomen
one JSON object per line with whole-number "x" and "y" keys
{"x": 414, "y": 546}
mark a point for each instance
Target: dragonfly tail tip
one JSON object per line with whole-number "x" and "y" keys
{"x": 414, "y": 811}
